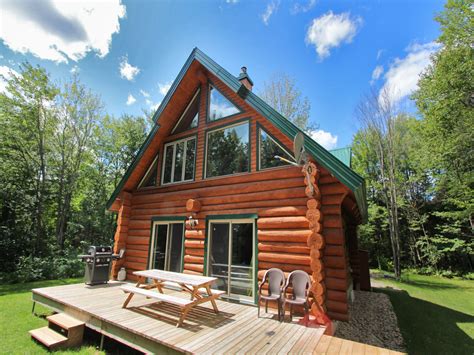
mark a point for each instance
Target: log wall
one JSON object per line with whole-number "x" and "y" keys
{"x": 294, "y": 230}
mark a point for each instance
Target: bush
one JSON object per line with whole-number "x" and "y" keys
{"x": 31, "y": 268}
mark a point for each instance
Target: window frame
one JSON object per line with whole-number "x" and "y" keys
{"x": 277, "y": 142}
{"x": 222, "y": 127}
{"x": 208, "y": 104}
{"x": 146, "y": 175}
{"x": 195, "y": 96}
{"x": 163, "y": 162}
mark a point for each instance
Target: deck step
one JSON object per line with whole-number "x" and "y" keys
{"x": 64, "y": 321}
{"x": 48, "y": 337}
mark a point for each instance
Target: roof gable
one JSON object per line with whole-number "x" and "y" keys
{"x": 335, "y": 164}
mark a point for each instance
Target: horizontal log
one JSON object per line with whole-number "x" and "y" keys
{"x": 194, "y": 267}
{"x": 296, "y": 236}
{"x": 334, "y": 250}
{"x": 336, "y": 273}
{"x": 291, "y": 248}
{"x": 327, "y": 179}
{"x": 332, "y": 221}
{"x": 332, "y": 199}
{"x": 194, "y": 234}
{"x": 334, "y": 236}
{"x": 191, "y": 243}
{"x": 132, "y": 240}
{"x": 140, "y": 253}
{"x": 135, "y": 259}
{"x": 335, "y": 284}
{"x": 193, "y": 259}
{"x": 194, "y": 251}
{"x": 295, "y": 192}
{"x": 331, "y": 209}
{"x": 149, "y": 212}
{"x": 283, "y": 222}
{"x": 284, "y": 258}
{"x": 193, "y": 205}
{"x": 338, "y": 316}
{"x": 282, "y": 211}
{"x": 336, "y": 262}
{"x": 191, "y": 272}
{"x": 135, "y": 266}
{"x": 340, "y": 296}
{"x": 333, "y": 189}
{"x": 262, "y": 204}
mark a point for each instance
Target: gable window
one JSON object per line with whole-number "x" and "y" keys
{"x": 268, "y": 148}
{"x": 189, "y": 118}
{"x": 227, "y": 150}
{"x": 219, "y": 105}
{"x": 179, "y": 161}
{"x": 151, "y": 176}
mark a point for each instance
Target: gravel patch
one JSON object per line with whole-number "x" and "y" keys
{"x": 372, "y": 321}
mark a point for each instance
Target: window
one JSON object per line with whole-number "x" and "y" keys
{"x": 268, "y": 148}
{"x": 179, "y": 160}
{"x": 228, "y": 150}
{"x": 167, "y": 246}
{"x": 151, "y": 175}
{"x": 189, "y": 118}
{"x": 219, "y": 105}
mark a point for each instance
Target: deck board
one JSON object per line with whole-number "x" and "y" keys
{"x": 150, "y": 326}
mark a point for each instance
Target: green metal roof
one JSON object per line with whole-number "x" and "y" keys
{"x": 343, "y": 154}
{"x": 336, "y": 166}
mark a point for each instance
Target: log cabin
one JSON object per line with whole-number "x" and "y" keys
{"x": 206, "y": 195}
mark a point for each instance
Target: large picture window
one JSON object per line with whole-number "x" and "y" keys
{"x": 179, "y": 161}
{"x": 228, "y": 150}
{"x": 268, "y": 149}
{"x": 219, "y": 105}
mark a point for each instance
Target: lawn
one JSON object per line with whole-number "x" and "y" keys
{"x": 435, "y": 314}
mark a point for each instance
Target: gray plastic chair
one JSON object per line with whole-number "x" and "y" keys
{"x": 301, "y": 284}
{"x": 276, "y": 279}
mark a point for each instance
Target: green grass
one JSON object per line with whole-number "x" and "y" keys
{"x": 435, "y": 314}
{"x": 16, "y": 319}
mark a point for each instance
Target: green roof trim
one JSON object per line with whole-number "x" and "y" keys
{"x": 332, "y": 163}
{"x": 343, "y": 154}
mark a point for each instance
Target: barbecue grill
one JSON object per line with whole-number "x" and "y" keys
{"x": 98, "y": 262}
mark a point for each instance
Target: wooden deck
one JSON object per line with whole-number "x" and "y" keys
{"x": 150, "y": 327}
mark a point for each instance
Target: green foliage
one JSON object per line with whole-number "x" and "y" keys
{"x": 60, "y": 158}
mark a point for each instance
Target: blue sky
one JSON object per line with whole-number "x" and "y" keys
{"x": 124, "y": 51}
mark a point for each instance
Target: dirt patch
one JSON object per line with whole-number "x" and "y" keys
{"x": 372, "y": 321}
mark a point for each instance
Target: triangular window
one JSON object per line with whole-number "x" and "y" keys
{"x": 269, "y": 148}
{"x": 151, "y": 176}
{"x": 219, "y": 105}
{"x": 189, "y": 118}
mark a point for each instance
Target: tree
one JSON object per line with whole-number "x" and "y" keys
{"x": 282, "y": 94}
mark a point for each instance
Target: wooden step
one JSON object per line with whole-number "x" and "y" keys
{"x": 64, "y": 321}
{"x": 48, "y": 337}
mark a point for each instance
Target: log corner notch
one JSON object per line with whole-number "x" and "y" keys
{"x": 315, "y": 239}
{"x": 121, "y": 233}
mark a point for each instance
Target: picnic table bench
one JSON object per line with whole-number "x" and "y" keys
{"x": 199, "y": 288}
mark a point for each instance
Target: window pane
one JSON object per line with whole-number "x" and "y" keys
{"x": 190, "y": 154}
{"x": 228, "y": 151}
{"x": 178, "y": 162}
{"x": 268, "y": 149}
{"x": 176, "y": 240}
{"x": 168, "y": 164}
{"x": 150, "y": 178}
{"x": 219, "y": 256}
{"x": 219, "y": 105}
{"x": 161, "y": 230}
{"x": 189, "y": 118}
{"x": 242, "y": 253}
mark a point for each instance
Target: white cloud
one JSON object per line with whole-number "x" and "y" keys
{"x": 164, "y": 88}
{"x": 153, "y": 106}
{"x": 75, "y": 69}
{"x": 330, "y": 31}
{"x": 131, "y": 100}
{"x": 271, "y": 8}
{"x": 379, "y": 53}
{"x": 401, "y": 79}
{"x": 128, "y": 71}
{"x": 144, "y": 93}
{"x": 5, "y": 74}
{"x": 378, "y": 71}
{"x": 326, "y": 139}
{"x": 60, "y": 30}
{"x": 298, "y": 7}
{"x": 232, "y": 1}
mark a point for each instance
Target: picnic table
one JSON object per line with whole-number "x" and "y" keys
{"x": 198, "y": 287}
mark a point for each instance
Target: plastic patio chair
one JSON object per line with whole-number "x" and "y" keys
{"x": 276, "y": 279}
{"x": 301, "y": 284}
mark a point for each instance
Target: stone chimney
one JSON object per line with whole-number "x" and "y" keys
{"x": 244, "y": 78}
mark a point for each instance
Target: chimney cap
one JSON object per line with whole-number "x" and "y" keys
{"x": 243, "y": 75}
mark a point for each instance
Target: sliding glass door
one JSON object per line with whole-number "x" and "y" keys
{"x": 231, "y": 257}
{"x": 167, "y": 246}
